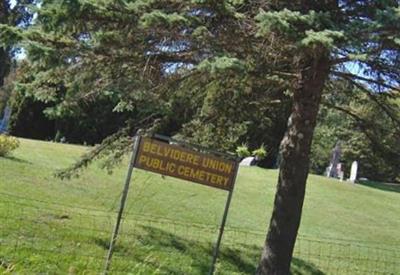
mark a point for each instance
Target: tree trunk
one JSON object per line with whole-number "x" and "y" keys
{"x": 295, "y": 149}
{"x": 4, "y": 57}
{"x": 4, "y": 65}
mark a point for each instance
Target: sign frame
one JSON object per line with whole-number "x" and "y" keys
{"x": 185, "y": 163}
{"x": 137, "y": 141}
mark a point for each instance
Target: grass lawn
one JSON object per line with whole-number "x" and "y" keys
{"x": 53, "y": 226}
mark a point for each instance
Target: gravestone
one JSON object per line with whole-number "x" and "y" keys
{"x": 340, "y": 172}
{"x": 353, "y": 171}
{"x": 249, "y": 161}
{"x": 336, "y": 153}
{"x": 5, "y": 121}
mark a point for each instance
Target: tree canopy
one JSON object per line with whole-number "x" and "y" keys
{"x": 215, "y": 71}
{"x": 16, "y": 14}
{"x": 365, "y": 132}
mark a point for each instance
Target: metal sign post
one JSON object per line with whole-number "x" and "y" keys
{"x": 222, "y": 227}
{"x": 183, "y": 163}
{"x": 122, "y": 204}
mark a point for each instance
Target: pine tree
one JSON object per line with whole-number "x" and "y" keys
{"x": 16, "y": 14}
{"x": 156, "y": 56}
{"x": 321, "y": 36}
{"x": 4, "y": 56}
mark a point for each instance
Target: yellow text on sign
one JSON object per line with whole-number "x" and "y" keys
{"x": 184, "y": 163}
{"x": 182, "y": 170}
{"x": 182, "y": 156}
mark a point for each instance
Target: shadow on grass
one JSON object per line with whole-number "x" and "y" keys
{"x": 105, "y": 244}
{"x": 300, "y": 267}
{"x": 381, "y": 186}
{"x": 177, "y": 255}
{"x": 15, "y": 159}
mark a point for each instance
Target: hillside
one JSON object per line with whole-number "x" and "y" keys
{"x": 170, "y": 224}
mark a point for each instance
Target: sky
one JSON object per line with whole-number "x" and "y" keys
{"x": 12, "y": 2}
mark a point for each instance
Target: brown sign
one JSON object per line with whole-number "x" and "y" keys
{"x": 179, "y": 162}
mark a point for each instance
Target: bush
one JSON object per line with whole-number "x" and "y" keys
{"x": 243, "y": 151}
{"x": 7, "y": 144}
{"x": 260, "y": 153}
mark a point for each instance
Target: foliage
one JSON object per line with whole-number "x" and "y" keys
{"x": 231, "y": 61}
{"x": 13, "y": 14}
{"x": 7, "y": 145}
{"x": 243, "y": 151}
{"x": 161, "y": 59}
{"x": 222, "y": 57}
{"x": 81, "y": 56}
{"x": 366, "y": 133}
{"x": 6, "y": 91}
{"x": 27, "y": 118}
{"x": 317, "y": 38}
{"x": 260, "y": 153}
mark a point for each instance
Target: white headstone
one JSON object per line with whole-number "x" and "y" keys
{"x": 249, "y": 161}
{"x": 353, "y": 172}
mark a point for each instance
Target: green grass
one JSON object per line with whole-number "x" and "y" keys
{"x": 53, "y": 226}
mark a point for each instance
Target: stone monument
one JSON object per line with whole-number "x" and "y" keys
{"x": 336, "y": 153}
{"x": 353, "y": 171}
{"x": 339, "y": 171}
{"x": 249, "y": 161}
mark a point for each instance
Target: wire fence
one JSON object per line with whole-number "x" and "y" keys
{"x": 38, "y": 236}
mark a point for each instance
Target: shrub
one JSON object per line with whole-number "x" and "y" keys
{"x": 7, "y": 144}
{"x": 243, "y": 151}
{"x": 260, "y": 153}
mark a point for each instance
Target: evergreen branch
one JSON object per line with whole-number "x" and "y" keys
{"x": 88, "y": 158}
{"x": 353, "y": 76}
{"x": 349, "y": 112}
{"x": 101, "y": 150}
{"x": 365, "y": 127}
{"x": 341, "y": 60}
{"x": 184, "y": 57}
{"x": 374, "y": 98}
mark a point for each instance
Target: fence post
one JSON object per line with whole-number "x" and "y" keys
{"x": 122, "y": 204}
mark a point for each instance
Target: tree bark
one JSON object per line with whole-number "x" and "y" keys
{"x": 295, "y": 148}
{"x": 4, "y": 65}
{"x": 4, "y": 55}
